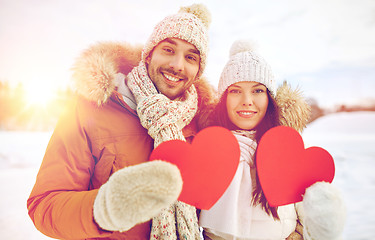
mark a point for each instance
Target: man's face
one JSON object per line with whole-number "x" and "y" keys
{"x": 173, "y": 66}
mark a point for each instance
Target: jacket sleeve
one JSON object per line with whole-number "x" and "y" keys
{"x": 60, "y": 204}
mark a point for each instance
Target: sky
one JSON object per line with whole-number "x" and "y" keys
{"x": 324, "y": 47}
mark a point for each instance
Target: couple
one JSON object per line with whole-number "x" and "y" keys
{"x": 95, "y": 181}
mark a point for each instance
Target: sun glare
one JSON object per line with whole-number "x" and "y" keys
{"x": 39, "y": 94}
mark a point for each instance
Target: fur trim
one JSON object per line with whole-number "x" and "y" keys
{"x": 136, "y": 194}
{"x": 324, "y": 212}
{"x": 94, "y": 72}
{"x": 294, "y": 110}
{"x": 206, "y": 102}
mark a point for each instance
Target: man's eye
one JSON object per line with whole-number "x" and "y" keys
{"x": 191, "y": 58}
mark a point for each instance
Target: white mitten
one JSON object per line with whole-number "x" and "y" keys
{"x": 136, "y": 194}
{"x": 324, "y": 212}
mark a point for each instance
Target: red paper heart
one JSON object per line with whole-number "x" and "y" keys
{"x": 207, "y": 165}
{"x": 286, "y": 168}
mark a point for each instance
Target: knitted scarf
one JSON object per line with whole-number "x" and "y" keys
{"x": 165, "y": 119}
{"x": 243, "y": 142}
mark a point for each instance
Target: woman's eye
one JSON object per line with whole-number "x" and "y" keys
{"x": 168, "y": 50}
{"x": 258, "y": 90}
{"x": 234, "y": 91}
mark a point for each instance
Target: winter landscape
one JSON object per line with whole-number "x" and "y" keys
{"x": 349, "y": 137}
{"x": 327, "y": 48}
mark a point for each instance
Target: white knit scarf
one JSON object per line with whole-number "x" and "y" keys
{"x": 230, "y": 217}
{"x": 165, "y": 119}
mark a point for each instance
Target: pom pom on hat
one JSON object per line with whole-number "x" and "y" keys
{"x": 240, "y": 46}
{"x": 190, "y": 24}
{"x": 200, "y": 11}
{"x": 246, "y": 65}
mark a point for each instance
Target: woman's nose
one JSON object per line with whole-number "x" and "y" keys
{"x": 247, "y": 100}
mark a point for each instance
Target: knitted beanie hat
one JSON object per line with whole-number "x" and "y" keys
{"x": 190, "y": 24}
{"x": 246, "y": 65}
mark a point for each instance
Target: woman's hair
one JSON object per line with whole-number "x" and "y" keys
{"x": 219, "y": 117}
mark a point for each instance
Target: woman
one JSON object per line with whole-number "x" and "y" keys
{"x": 249, "y": 106}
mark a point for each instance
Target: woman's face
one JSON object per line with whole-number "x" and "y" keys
{"x": 247, "y": 104}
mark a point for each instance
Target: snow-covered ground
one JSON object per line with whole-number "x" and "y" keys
{"x": 20, "y": 156}
{"x": 349, "y": 137}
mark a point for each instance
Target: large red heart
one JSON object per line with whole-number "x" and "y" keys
{"x": 286, "y": 168}
{"x": 207, "y": 165}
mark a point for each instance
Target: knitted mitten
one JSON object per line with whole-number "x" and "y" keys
{"x": 136, "y": 194}
{"x": 324, "y": 212}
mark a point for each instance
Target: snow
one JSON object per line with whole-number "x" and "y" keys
{"x": 349, "y": 137}
{"x": 20, "y": 156}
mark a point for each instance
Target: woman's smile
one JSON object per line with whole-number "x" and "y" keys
{"x": 246, "y": 113}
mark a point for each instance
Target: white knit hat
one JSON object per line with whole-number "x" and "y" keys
{"x": 190, "y": 24}
{"x": 246, "y": 65}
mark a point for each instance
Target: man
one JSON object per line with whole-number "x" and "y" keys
{"x": 95, "y": 181}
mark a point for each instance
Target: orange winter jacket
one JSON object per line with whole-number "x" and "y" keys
{"x": 87, "y": 146}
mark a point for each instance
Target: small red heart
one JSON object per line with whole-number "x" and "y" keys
{"x": 207, "y": 165}
{"x": 285, "y": 168}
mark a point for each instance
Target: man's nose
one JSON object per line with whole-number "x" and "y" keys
{"x": 177, "y": 63}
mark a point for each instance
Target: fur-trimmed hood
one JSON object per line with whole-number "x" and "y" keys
{"x": 95, "y": 71}
{"x": 294, "y": 110}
